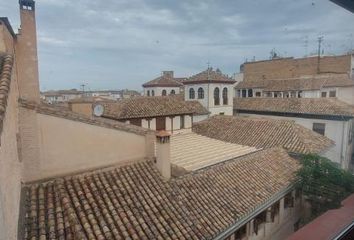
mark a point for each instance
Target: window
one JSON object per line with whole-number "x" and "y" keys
{"x": 244, "y": 93}
{"x": 200, "y": 93}
{"x": 222, "y": 113}
{"x": 288, "y": 200}
{"x": 164, "y": 93}
{"x": 152, "y": 93}
{"x": 173, "y": 92}
{"x": 319, "y": 128}
{"x": 241, "y": 233}
{"x": 299, "y": 94}
{"x": 182, "y": 122}
{"x": 216, "y": 96}
{"x": 191, "y": 93}
{"x": 250, "y": 93}
{"x": 323, "y": 94}
{"x": 258, "y": 94}
{"x": 332, "y": 93}
{"x": 224, "y": 96}
{"x": 238, "y": 93}
{"x": 148, "y": 92}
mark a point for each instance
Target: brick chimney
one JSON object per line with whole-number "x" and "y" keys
{"x": 26, "y": 52}
{"x": 163, "y": 154}
{"x": 167, "y": 74}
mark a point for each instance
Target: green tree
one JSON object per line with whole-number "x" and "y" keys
{"x": 323, "y": 183}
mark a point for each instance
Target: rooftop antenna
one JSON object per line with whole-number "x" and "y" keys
{"x": 83, "y": 87}
{"x": 320, "y": 40}
{"x": 208, "y": 63}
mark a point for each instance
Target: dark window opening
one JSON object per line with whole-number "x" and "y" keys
{"x": 164, "y": 93}
{"x": 250, "y": 93}
{"x": 224, "y": 96}
{"x": 200, "y": 93}
{"x": 319, "y": 128}
{"x": 152, "y": 93}
{"x": 148, "y": 93}
{"x": 191, "y": 93}
{"x": 332, "y": 93}
{"x": 323, "y": 94}
{"x": 173, "y": 92}
{"x": 244, "y": 93}
{"x": 182, "y": 122}
{"x": 288, "y": 201}
{"x": 216, "y": 96}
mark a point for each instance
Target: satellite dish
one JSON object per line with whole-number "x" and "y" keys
{"x": 98, "y": 110}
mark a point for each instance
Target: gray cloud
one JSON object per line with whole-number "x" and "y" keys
{"x": 121, "y": 44}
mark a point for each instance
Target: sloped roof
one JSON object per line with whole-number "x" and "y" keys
{"x": 140, "y": 107}
{"x": 314, "y": 82}
{"x": 209, "y": 76}
{"x": 62, "y": 112}
{"x": 164, "y": 81}
{"x": 6, "y": 64}
{"x": 263, "y": 133}
{"x": 312, "y": 106}
{"x": 134, "y": 202}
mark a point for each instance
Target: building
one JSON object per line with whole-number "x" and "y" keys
{"x": 64, "y": 175}
{"x": 349, "y": 5}
{"x": 287, "y": 68}
{"x": 333, "y": 224}
{"x": 340, "y": 86}
{"x": 164, "y": 85}
{"x": 212, "y": 89}
{"x": 61, "y": 96}
{"x": 264, "y": 133}
{"x": 327, "y": 116}
{"x": 84, "y": 105}
{"x": 170, "y": 113}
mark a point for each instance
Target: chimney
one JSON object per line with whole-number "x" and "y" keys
{"x": 163, "y": 156}
{"x": 167, "y": 74}
{"x": 26, "y": 53}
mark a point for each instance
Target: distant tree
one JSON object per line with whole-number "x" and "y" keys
{"x": 323, "y": 183}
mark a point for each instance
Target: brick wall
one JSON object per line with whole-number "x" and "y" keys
{"x": 290, "y": 67}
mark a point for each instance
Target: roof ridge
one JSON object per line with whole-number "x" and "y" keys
{"x": 61, "y": 112}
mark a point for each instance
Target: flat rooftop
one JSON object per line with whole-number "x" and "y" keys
{"x": 190, "y": 151}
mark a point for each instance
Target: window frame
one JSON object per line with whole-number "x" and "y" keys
{"x": 316, "y": 128}
{"x": 191, "y": 93}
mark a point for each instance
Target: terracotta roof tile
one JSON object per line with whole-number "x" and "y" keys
{"x": 313, "y": 106}
{"x": 263, "y": 133}
{"x": 63, "y": 112}
{"x": 164, "y": 81}
{"x": 140, "y": 107}
{"x": 134, "y": 202}
{"x": 209, "y": 75}
{"x": 6, "y": 64}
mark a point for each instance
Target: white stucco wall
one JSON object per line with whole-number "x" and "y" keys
{"x": 69, "y": 146}
{"x": 158, "y": 90}
{"x": 338, "y": 131}
{"x": 208, "y": 100}
{"x": 346, "y": 94}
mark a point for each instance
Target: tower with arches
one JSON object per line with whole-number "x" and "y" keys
{"x": 213, "y": 89}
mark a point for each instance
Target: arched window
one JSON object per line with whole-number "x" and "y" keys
{"x": 173, "y": 92}
{"x": 224, "y": 96}
{"x": 148, "y": 92}
{"x": 200, "y": 93}
{"x": 191, "y": 93}
{"x": 216, "y": 96}
{"x": 164, "y": 93}
{"x": 152, "y": 93}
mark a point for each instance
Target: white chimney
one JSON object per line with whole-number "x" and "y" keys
{"x": 163, "y": 154}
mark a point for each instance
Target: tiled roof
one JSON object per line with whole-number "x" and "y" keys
{"x": 134, "y": 202}
{"x": 190, "y": 151}
{"x": 164, "y": 81}
{"x": 209, "y": 76}
{"x": 140, "y": 107}
{"x": 91, "y": 100}
{"x": 312, "y": 106}
{"x": 314, "y": 82}
{"x": 6, "y": 64}
{"x": 263, "y": 133}
{"x": 63, "y": 112}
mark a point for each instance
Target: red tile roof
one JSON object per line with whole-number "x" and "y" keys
{"x": 263, "y": 133}
{"x": 313, "y": 106}
{"x": 141, "y": 107}
{"x": 209, "y": 76}
{"x": 6, "y": 64}
{"x": 164, "y": 81}
{"x": 134, "y": 202}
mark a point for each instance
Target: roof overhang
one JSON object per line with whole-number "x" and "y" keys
{"x": 347, "y": 4}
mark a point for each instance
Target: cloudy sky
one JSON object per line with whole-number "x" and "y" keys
{"x": 115, "y": 44}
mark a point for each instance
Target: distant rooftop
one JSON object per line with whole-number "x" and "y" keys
{"x": 167, "y": 79}
{"x": 209, "y": 76}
